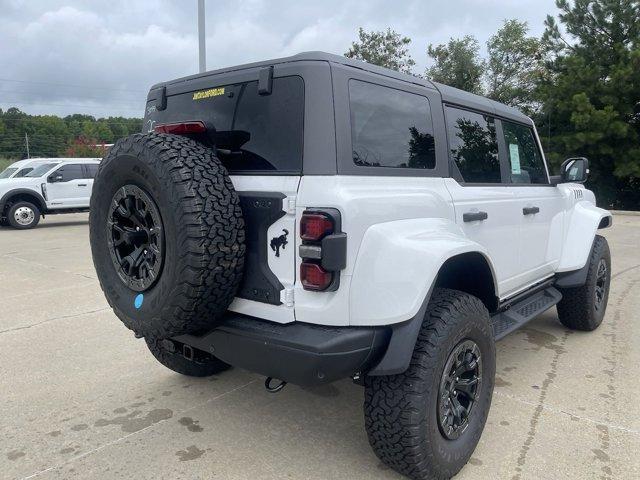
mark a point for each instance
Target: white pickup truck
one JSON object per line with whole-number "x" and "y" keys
{"x": 53, "y": 186}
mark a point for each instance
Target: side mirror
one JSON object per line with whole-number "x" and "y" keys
{"x": 572, "y": 170}
{"x": 55, "y": 177}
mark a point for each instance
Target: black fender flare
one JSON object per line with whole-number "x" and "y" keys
{"x": 42, "y": 204}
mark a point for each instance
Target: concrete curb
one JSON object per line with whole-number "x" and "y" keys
{"x": 625, "y": 212}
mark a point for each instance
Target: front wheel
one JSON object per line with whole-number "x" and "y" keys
{"x": 23, "y": 215}
{"x": 426, "y": 422}
{"x": 583, "y": 308}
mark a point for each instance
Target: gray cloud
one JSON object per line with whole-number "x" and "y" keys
{"x": 100, "y": 57}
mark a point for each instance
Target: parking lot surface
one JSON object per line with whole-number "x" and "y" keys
{"x": 80, "y": 397}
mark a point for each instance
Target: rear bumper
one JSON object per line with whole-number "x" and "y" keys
{"x": 298, "y": 353}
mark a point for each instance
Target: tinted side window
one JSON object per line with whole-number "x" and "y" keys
{"x": 72, "y": 171}
{"x": 91, "y": 170}
{"x": 525, "y": 160}
{"x": 23, "y": 172}
{"x": 251, "y": 132}
{"x": 473, "y": 145}
{"x": 390, "y": 128}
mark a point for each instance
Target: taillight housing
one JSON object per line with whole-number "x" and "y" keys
{"x": 323, "y": 249}
{"x": 181, "y": 128}
{"x": 315, "y": 226}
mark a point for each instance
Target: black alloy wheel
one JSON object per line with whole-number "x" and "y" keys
{"x": 459, "y": 389}
{"x": 601, "y": 285}
{"x": 135, "y": 237}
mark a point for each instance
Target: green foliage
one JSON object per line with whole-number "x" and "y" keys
{"x": 514, "y": 66}
{"x": 51, "y": 136}
{"x": 458, "y": 64}
{"x": 385, "y": 48}
{"x": 591, "y": 92}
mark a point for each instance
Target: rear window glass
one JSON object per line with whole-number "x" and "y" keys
{"x": 40, "y": 170}
{"x": 252, "y": 132}
{"x": 7, "y": 172}
{"x": 390, "y": 128}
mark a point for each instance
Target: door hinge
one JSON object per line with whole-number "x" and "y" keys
{"x": 290, "y": 205}
{"x": 288, "y": 297}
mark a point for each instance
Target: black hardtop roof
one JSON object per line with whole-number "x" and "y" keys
{"x": 449, "y": 94}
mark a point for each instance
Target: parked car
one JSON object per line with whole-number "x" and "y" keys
{"x": 54, "y": 186}
{"x": 20, "y": 168}
{"x": 316, "y": 218}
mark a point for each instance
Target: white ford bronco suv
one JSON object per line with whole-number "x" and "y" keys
{"x": 316, "y": 218}
{"x": 52, "y": 186}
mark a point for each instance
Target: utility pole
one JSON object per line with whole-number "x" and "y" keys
{"x": 202, "y": 50}
{"x": 26, "y": 141}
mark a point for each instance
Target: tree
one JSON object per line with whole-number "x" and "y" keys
{"x": 514, "y": 66}
{"x": 384, "y": 48}
{"x": 457, "y": 64}
{"x": 591, "y": 94}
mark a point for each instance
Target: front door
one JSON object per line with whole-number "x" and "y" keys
{"x": 68, "y": 187}
{"x": 540, "y": 204}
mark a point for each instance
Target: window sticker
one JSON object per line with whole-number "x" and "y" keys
{"x": 213, "y": 92}
{"x": 514, "y": 154}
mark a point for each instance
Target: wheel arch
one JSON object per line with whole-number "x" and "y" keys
{"x": 23, "y": 194}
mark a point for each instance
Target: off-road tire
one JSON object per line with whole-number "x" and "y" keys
{"x": 201, "y": 366}
{"x": 401, "y": 410}
{"x": 20, "y": 204}
{"x": 203, "y": 228}
{"x": 577, "y": 309}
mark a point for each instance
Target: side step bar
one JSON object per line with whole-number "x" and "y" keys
{"x": 518, "y": 314}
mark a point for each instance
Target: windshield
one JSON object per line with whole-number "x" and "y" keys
{"x": 7, "y": 172}
{"x": 40, "y": 170}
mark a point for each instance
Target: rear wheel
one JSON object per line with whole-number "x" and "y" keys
{"x": 23, "y": 215}
{"x": 194, "y": 364}
{"x": 583, "y": 308}
{"x": 426, "y": 422}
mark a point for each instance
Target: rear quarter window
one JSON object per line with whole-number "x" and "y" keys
{"x": 253, "y": 133}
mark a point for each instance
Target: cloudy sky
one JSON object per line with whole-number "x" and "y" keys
{"x": 100, "y": 57}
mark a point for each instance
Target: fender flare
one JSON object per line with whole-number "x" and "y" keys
{"x": 415, "y": 248}
{"x": 42, "y": 204}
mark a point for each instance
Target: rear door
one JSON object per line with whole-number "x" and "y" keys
{"x": 485, "y": 210}
{"x": 257, "y": 130}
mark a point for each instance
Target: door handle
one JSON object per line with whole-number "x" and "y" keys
{"x": 473, "y": 216}
{"x": 82, "y": 184}
{"x": 530, "y": 210}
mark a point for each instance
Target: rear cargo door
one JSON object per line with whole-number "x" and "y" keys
{"x": 254, "y": 119}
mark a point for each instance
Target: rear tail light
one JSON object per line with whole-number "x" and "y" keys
{"x": 315, "y": 226}
{"x": 314, "y": 277}
{"x": 323, "y": 249}
{"x": 181, "y": 128}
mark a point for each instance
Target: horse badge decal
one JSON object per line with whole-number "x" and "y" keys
{"x": 279, "y": 242}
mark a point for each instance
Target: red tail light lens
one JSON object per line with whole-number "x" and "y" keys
{"x": 181, "y": 128}
{"x": 315, "y": 226}
{"x": 314, "y": 277}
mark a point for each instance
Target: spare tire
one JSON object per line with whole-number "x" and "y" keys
{"x": 167, "y": 234}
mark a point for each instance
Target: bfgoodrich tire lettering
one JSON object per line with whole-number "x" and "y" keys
{"x": 203, "y": 234}
{"x": 401, "y": 410}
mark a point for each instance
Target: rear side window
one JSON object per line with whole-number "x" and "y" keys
{"x": 71, "y": 171}
{"x": 473, "y": 146}
{"x": 252, "y": 132}
{"x": 390, "y": 128}
{"x": 23, "y": 172}
{"x": 525, "y": 161}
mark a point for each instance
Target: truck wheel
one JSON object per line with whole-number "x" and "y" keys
{"x": 583, "y": 308}
{"x": 167, "y": 234}
{"x": 23, "y": 215}
{"x": 202, "y": 365}
{"x": 426, "y": 422}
